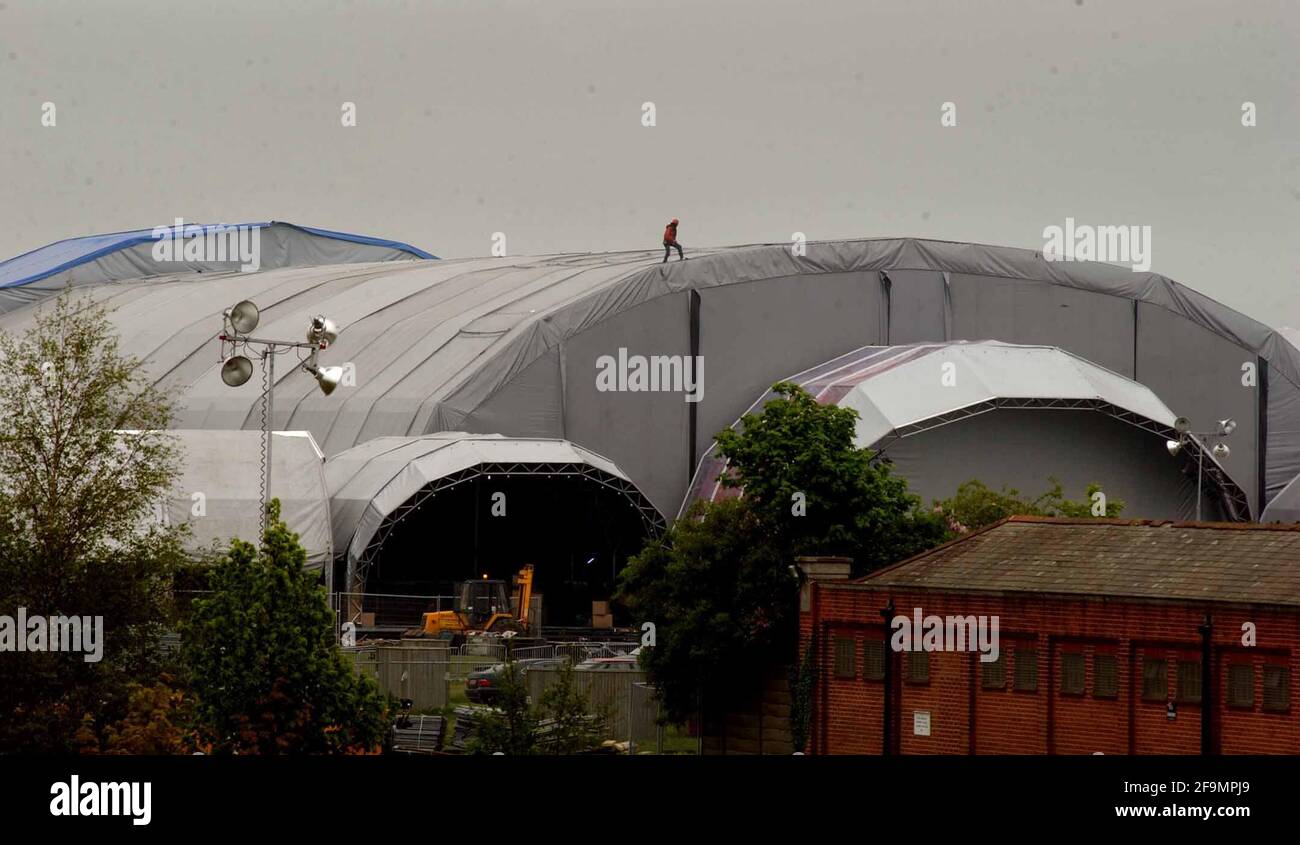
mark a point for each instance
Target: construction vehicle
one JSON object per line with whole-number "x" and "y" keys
{"x": 482, "y": 606}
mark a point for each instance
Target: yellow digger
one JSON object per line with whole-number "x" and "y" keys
{"x": 482, "y": 606}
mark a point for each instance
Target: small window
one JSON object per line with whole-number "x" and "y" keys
{"x": 1155, "y": 679}
{"x": 994, "y": 672}
{"x": 1241, "y": 685}
{"x": 1027, "y": 669}
{"x": 1277, "y": 688}
{"x": 1072, "y": 674}
{"x": 1189, "y": 681}
{"x": 844, "y": 657}
{"x": 1105, "y": 676}
{"x": 918, "y": 667}
{"x": 873, "y": 656}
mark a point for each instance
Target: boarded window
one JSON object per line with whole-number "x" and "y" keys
{"x": 1027, "y": 669}
{"x": 1189, "y": 681}
{"x": 1155, "y": 679}
{"x": 873, "y": 654}
{"x": 918, "y": 667}
{"x": 844, "y": 654}
{"x": 1277, "y": 688}
{"x": 994, "y": 672}
{"x": 1241, "y": 685}
{"x": 1072, "y": 673}
{"x": 1105, "y": 676}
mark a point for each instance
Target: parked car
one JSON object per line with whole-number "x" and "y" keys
{"x": 483, "y": 684}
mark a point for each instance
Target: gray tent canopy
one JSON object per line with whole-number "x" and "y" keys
{"x": 219, "y": 491}
{"x": 376, "y": 485}
{"x": 1006, "y": 414}
{"x": 511, "y": 345}
{"x": 1285, "y": 506}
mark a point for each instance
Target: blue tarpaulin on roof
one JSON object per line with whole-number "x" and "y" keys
{"x": 64, "y": 255}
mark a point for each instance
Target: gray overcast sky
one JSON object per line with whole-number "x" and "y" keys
{"x": 773, "y": 117}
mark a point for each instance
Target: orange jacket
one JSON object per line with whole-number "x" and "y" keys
{"x": 670, "y": 233}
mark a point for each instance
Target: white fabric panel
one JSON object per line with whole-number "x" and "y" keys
{"x": 221, "y": 471}
{"x": 916, "y": 390}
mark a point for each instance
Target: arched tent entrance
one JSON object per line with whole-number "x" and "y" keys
{"x": 417, "y": 514}
{"x": 1011, "y": 415}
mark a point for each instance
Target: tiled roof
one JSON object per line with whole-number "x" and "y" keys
{"x": 1250, "y": 563}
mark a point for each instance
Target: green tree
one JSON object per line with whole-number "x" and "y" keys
{"x": 975, "y": 505}
{"x": 722, "y": 597}
{"x": 718, "y": 585}
{"x": 573, "y": 728}
{"x": 512, "y": 727}
{"x": 263, "y": 663}
{"x": 819, "y": 493}
{"x": 84, "y": 460}
{"x": 158, "y": 721}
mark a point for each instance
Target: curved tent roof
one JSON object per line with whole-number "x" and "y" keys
{"x": 128, "y": 255}
{"x": 900, "y": 391}
{"x": 511, "y": 345}
{"x": 370, "y": 485}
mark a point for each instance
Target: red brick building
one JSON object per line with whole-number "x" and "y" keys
{"x": 1101, "y": 646}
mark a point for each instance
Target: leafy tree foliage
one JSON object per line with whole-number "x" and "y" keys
{"x": 720, "y": 592}
{"x": 975, "y": 505}
{"x": 573, "y": 728}
{"x": 263, "y": 663}
{"x": 159, "y": 720}
{"x": 83, "y": 459}
{"x": 512, "y": 727}
{"x": 719, "y": 585}
{"x": 816, "y": 491}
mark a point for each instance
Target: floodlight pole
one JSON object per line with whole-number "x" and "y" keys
{"x": 268, "y": 410}
{"x": 1202, "y": 439}
{"x": 243, "y": 318}
{"x": 1200, "y": 462}
{"x": 270, "y": 348}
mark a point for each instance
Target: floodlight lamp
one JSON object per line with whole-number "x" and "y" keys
{"x": 323, "y": 332}
{"x": 1221, "y": 450}
{"x": 1182, "y": 425}
{"x": 236, "y": 370}
{"x": 1174, "y": 447}
{"x": 1227, "y": 427}
{"x": 243, "y": 317}
{"x": 327, "y": 377}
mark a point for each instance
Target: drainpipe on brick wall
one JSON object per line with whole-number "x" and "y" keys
{"x": 1207, "y": 686}
{"x": 887, "y": 719}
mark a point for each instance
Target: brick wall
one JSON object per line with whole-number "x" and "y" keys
{"x": 967, "y": 718}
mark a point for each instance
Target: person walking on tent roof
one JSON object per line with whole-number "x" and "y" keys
{"x": 670, "y": 241}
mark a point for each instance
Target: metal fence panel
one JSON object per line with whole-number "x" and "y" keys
{"x": 404, "y": 671}
{"x": 629, "y": 703}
